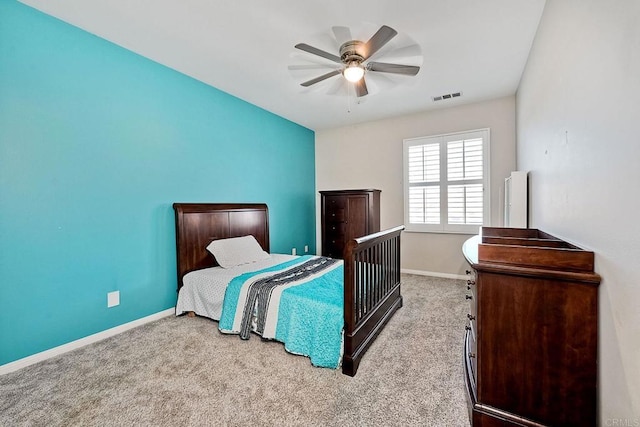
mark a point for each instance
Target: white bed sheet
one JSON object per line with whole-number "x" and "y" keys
{"x": 203, "y": 290}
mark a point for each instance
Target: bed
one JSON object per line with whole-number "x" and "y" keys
{"x": 371, "y": 265}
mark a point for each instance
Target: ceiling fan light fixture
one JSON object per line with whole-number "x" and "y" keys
{"x": 353, "y": 72}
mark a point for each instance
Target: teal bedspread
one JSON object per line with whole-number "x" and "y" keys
{"x": 299, "y": 303}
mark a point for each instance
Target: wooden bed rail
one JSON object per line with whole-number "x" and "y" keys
{"x": 371, "y": 291}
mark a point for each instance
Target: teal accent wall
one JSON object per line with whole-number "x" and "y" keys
{"x": 96, "y": 143}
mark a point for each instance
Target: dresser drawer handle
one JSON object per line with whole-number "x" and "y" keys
{"x": 468, "y": 297}
{"x": 468, "y": 272}
{"x": 470, "y": 317}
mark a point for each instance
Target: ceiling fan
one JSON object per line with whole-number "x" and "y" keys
{"x": 354, "y": 58}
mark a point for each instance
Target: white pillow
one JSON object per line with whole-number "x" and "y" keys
{"x": 237, "y": 251}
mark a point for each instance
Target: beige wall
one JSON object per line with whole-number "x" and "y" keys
{"x": 578, "y": 106}
{"x": 369, "y": 155}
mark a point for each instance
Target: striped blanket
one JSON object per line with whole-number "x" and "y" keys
{"x": 299, "y": 303}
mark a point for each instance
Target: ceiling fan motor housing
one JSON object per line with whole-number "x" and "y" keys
{"x": 350, "y": 52}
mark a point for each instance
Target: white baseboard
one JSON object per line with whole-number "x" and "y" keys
{"x": 435, "y": 274}
{"x": 47, "y": 354}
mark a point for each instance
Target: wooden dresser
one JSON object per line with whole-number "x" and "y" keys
{"x": 531, "y": 341}
{"x": 347, "y": 214}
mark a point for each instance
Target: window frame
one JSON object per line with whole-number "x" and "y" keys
{"x": 443, "y": 183}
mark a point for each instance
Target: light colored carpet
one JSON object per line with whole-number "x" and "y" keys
{"x": 182, "y": 371}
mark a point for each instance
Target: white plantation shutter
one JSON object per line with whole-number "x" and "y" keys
{"x": 424, "y": 178}
{"x": 465, "y": 204}
{"x": 464, "y": 168}
{"x": 446, "y": 182}
{"x": 424, "y": 205}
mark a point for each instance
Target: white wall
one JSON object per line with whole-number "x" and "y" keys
{"x": 369, "y": 155}
{"x": 578, "y": 108}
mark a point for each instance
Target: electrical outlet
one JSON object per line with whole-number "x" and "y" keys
{"x": 306, "y": 248}
{"x": 293, "y": 251}
{"x": 113, "y": 299}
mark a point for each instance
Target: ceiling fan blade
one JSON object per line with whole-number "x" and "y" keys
{"x": 319, "y": 52}
{"x": 342, "y": 34}
{"x": 382, "y": 67}
{"x": 379, "y": 39}
{"x": 361, "y": 88}
{"x": 321, "y": 78}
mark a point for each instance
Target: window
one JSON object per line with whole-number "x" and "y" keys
{"x": 446, "y": 182}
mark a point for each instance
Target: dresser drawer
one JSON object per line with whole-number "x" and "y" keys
{"x": 335, "y": 215}
{"x": 471, "y": 275}
{"x": 334, "y": 249}
{"x": 470, "y": 357}
{"x": 471, "y": 297}
{"x": 472, "y": 331}
{"x": 334, "y": 241}
{"x": 335, "y": 202}
{"x": 472, "y": 325}
{"x": 335, "y": 230}
{"x": 473, "y": 303}
{"x": 472, "y": 350}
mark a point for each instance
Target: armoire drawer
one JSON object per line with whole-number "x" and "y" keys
{"x": 335, "y": 202}
{"x": 335, "y": 229}
{"x": 335, "y": 215}
{"x": 334, "y": 248}
{"x": 333, "y": 252}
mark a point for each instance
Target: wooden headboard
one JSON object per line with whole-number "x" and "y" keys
{"x": 198, "y": 224}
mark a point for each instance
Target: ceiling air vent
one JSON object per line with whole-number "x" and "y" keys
{"x": 446, "y": 96}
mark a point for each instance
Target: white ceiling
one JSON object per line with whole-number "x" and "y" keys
{"x": 245, "y": 48}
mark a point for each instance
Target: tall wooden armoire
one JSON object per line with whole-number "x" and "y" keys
{"x": 347, "y": 214}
